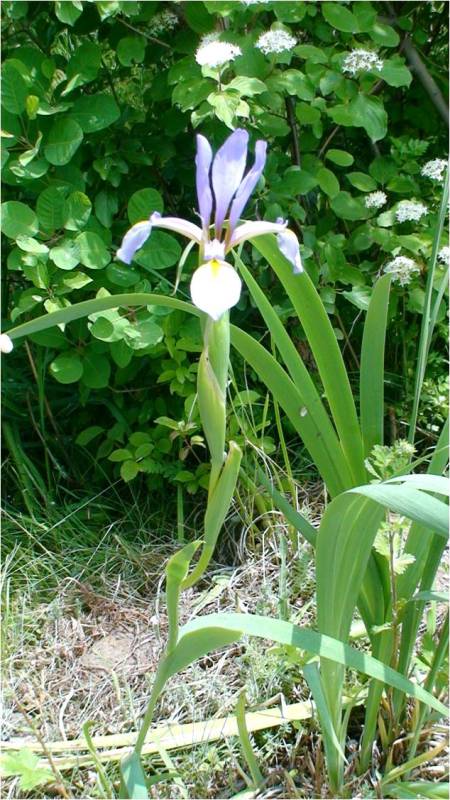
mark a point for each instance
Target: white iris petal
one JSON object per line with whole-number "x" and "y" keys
{"x": 215, "y": 287}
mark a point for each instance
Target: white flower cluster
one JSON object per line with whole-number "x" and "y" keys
{"x": 361, "y": 61}
{"x": 434, "y": 169}
{"x": 375, "y": 200}
{"x": 164, "y": 21}
{"x": 213, "y": 53}
{"x": 402, "y": 269}
{"x": 444, "y": 255}
{"x": 408, "y": 211}
{"x": 253, "y": 2}
{"x": 275, "y": 41}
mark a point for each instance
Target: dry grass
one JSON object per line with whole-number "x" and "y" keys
{"x": 88, "y": 653}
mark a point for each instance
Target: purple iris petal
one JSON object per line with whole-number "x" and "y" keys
{"x": 133, "y": 240}
{"x": 248, "y": 184}
{"x": 227, "y": 171}
{"x": 204, "y": 195}
{"x": 288, "y": 245}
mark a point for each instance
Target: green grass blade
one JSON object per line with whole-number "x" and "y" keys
{"x": 247, "y": 749}
{"x": 322, "y": 340}
{"x": 428, "y": 318}
{"x": 372, "y": 366}
{"x": 297, "y": 520}
{"x": 312, "y": 403}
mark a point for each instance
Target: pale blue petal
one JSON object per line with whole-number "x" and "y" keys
{"x": 289, "y": 247}
{"x": 227, "y": 171}
{"x": 203, "y": 161}
{"x": 133, "y": 241}
{"x": 248, "y": 184}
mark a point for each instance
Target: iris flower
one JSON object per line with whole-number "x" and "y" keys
{"x": 222, "y": 192}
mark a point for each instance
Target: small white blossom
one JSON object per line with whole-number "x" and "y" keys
{"x": 164, "y": 21}
{"x": 402, "y": 269}
{"x": 361, "y": 61}
{"x": 375, "y": 200}
{"x": 434, "y": 169}
{"x": 444, "y": 255}
{"x": 275, "y": 41}
{"x": 253, "y": 2}
{"x": 6, "y": 344}
{"x": 408, "y": 211}
{"x": 213, "y": 53}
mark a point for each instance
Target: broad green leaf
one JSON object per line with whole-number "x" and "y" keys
{"x": 66, "y": 255}
{"x": 85, "y": 63}
{"x": 361, "y": 181}
{"x": 96, "y": 369}
{"x": 86, "y": 436}
{"x": 146, "y": 333}
{"x": 79, "y": 209}
{"x": 328, "y": 182}
{"x": 14, "y": 89}
{"x": 293, "y": 82}
{"x": 347, "y": 207}
{"x": 363, "y": 112}
{"x": 51, "y": 208}
{"x": 106, "y": 207}
{"x": 340, "y": 157}
{"x": 67, "y": 368}
{"x": 129, "y": 470}
{"x": 159, "y": 252}
{"x": 296, "y": 181}
{"x": 30, "y": 245}
{"x": 95, "y": 112}
{"x": 67, "y": 11}
{"x": 63, "y": 141}
{"x": 384, "y": 35}
{"x": 395, "y": 72}
{"x": 307, "y": 114}
{"x": 311, "y": 53}
{"x": 18, "y": 219}
{"x": 93, "y": 251}
{"x": 122, "y": 276}
{"x": 247, "y": 87}
{"x": 131, "y": 50}
{"x": 339, "y": 17}
{"x": 143, "y": 203}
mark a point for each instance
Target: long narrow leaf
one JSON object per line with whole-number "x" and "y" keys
{"x": 205, "y": 634}
{"x": 372, "y": 366}
{"x": 428, "y": 319}
{"x": 291, "y": 401}
{"x": 325, "y": 348}
{"x": 87, "y": 307}
{"x": 311, "y": 401}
